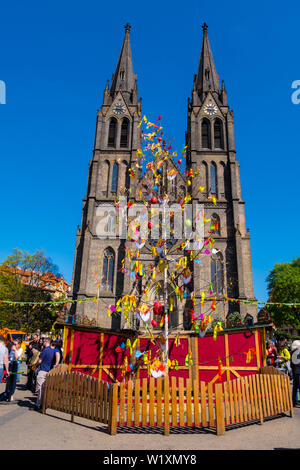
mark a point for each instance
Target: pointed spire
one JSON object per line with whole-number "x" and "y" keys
{"x": 124, "y": 77}
{"x": 207, "y": 77}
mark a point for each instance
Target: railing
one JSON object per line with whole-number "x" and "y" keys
{"x": 166, "y": 404}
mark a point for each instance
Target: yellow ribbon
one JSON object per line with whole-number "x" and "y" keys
{"x": 218, "y": 328}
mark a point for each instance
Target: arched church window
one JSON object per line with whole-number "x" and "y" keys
{"x": 213, "y": 178}
{"x": 204, "y": 177}
{"x": 105, "y": 170}
{"x": 114, "y": 178}
{"x": 218, "y": 134}
{"x": 216, "y": 272}
{"x": 215, "y": 224}
{"x": 122, "y": 74}
{"x": 108, "y": 270}
{"x": 124, "y": 133}
{"x": 205, "y": 133}
{"x": 112, "y": 133}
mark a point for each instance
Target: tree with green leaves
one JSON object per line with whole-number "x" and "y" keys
{"x": 21, "y": 277}
{"x": 284, "y": 287}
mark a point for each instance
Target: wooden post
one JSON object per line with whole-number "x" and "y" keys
{"x": 71, "y": 350}
{"x": 113, "y": 409}
{"x": 166, "y": 406}
{"x": 195, "y": 367}
{"x": 220, "y": 419}
{"x": 258, "y": 361}
{"x": 263, "y": 346}
{"x": 227, "y": 359}
{"x": 101, "y": 355}
{"x": 65, "y": 338}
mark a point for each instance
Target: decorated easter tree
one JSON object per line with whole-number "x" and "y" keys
{"x": 160, "y": 250}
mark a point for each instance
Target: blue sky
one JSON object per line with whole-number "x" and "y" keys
{"x": 55, "y": 60}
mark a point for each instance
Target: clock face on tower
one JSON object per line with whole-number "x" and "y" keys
{"x": 119, "y": 108}
{"x": 210, "y": 109}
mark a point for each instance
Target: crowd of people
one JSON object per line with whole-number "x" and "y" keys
{"x": 42, "y": 354}
{"x": 285, "y": 356}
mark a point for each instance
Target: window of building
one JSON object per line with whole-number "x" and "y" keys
{"x": 112, "y": 133}
{"x": 205, "y": 133}
{"x": 216, "y": 271}
{"x": 213, "y": 178}
{"x": 122, "y": 74}
{"x": 124, "y": 133}
{"x": 108, "y": 270}
{"x": 114, "y": 179}
{"x": 218, "y": 134}
{"x": 215, "y": 224}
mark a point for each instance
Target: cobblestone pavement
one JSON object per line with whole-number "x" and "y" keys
{"x": 30, "y": 430}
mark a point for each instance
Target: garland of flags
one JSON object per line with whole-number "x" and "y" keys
{"x": 95, "y": 299}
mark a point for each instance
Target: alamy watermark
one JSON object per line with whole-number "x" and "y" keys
{"x": 2, "y": 92}
{"x": 159, "y": 221}
{"x": 296, "y": 94}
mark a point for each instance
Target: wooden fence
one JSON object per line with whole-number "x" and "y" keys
{"x": 166, "y": 404}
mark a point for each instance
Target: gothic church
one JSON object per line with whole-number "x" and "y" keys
{"x": 210, "y": 148}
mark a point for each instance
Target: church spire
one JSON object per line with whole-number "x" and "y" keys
{"x": 207, "y": 77}
{"x": 124, "y": 78}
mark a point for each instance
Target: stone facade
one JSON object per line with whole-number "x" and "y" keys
{"x": 210, "y": 147}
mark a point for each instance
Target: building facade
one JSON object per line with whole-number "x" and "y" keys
{"x": 211, "y": 148}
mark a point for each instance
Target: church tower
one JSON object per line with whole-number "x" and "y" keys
{"x": 97, "y": 263}
{"x": 211, "y": 148}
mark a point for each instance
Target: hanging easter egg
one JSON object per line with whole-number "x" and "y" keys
{"x": 188, "y": 223}
{"x": 154, "y": 323}
{"x": 140, "y": 243}
{"x": 154, "y": 200}
{"x": 179, "y": 161}
{"x": 155, "y": 188}
{"x": 160, "y": 248}
{"x": 186, "y": 276}
{"x": 150, "y": 224}
{"x": 159, "y": 170}
{"x": 140, "y": 274}
{"x": 157, "y": 369}
{"x": 202, "y": 333}
{"x": 157, "y": 308}
{"x": 172, "y": 174}
{"x": 144, "y": 312}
